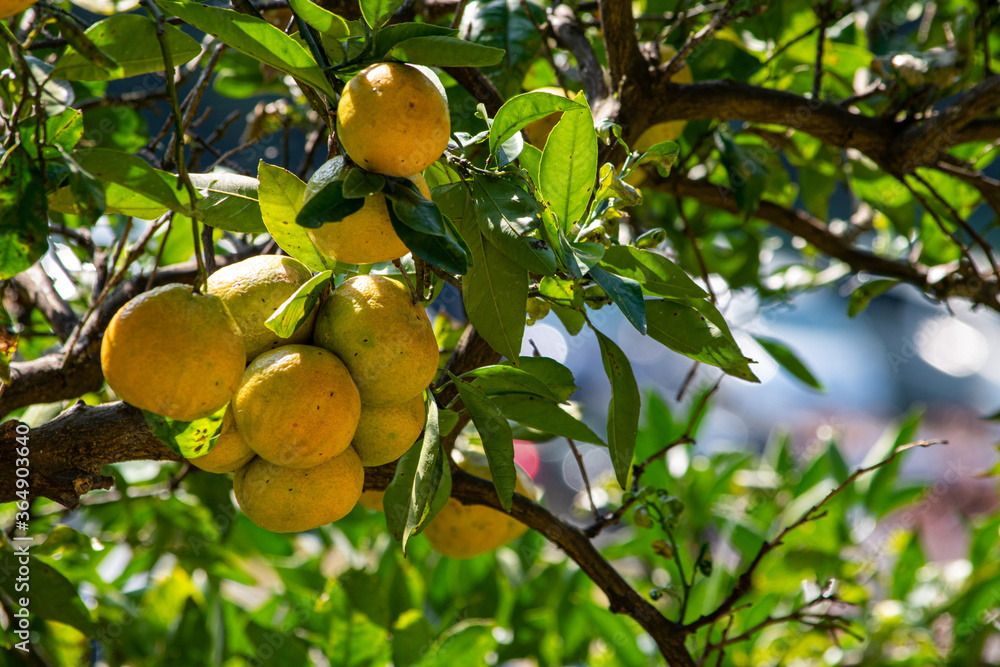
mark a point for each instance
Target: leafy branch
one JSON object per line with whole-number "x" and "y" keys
{"x": 744, "y": 582}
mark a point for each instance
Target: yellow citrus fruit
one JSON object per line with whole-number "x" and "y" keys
{"x": 670, "y": 130}
{"x": 392, "y": 119}
{"x": 174, "y": 352}
{"x": 467, "y": 531}
{"x": 385, "y": 339}
{"x": 536, "y": 132}
{"x": 10, "y": 7}
{"x": 288, "y": 500}
{"x": 372, "y": 500}
{"x": 385, "y": 432}
{"x": 297, "y": 406}
{"x": 230, "y": 451}
{"x": 253, "y": 289}
{"x": 367, "y": 236}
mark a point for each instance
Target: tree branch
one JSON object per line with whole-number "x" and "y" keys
{"x": 572, "y": 37}
{"x": 620, "y": 42}
{"x": 622, "y": 598}
{"x": 38, "y": 289}
{"x": 812, "y": 230}
{"x": 48, "y": 379}
{"x": 67, "y": 454}
{"x": 923, "y": 144}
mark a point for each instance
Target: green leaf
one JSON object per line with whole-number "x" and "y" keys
{"x": 530, "y": 158}
{"x": 131, "y": 40}
{"x": 506, "y": 25}
{"x": 296, "y": 309}
{"x": 556, "y": 377}
{"x": 411, "y": 636}
{"x": 448, "y": 252}
{"x": 747, "y": 177}
{"x": 377, "y": 12}
{"x": 623, "y": 409}
{"x": 361, "y": 183}
{"x": 654, "y": 272}
{"x": 498, "y": 441}
{"x": 861, "y": 297}
{"x": 412, "y": 208}
{"x": 8, "y": 344}
{"x": 23, "y": 213}
{"x": 789, "y": 361}
{"x": 438, "y": 51}
{"x": 328, "y": 205}
{"x": 495, "y": 291}
{"x": 505, "y": 214}
{"x": 520, "y": 110}
{"x": 255, "y": 37}
{"x": 324, "y": 21}
{"x": 62, "y": 131}
{"x": 422, "y": 476}
{"x": 280, "y": 194}
{"x": 132, "y": 186}
{"x": 545, "y": 415}
{"x": 189, "y": 439}
{"x": 52, "y": 596}
{"x": 467, "y": 643}
{"x": 391, "y": 35}
{"x": 568, "y": 167}
{"x": 661, "y": 155}
{"x": 627, "y": 295}
{"x": 230, "y": 202}
{"x": 503, "y": 379}
{"x": 697, "y": 330}
{"x": 904, "y": 575}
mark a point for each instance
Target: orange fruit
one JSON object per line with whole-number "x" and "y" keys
{"x": 386, "y": 340}
{"x": 392, "y": 119}
{"x": 174, "y": 352}
{"x": 297, "y": 406}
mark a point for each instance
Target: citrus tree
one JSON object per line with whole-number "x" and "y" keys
{"x": 508, "y": 162}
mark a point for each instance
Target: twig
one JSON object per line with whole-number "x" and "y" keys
{"x": 744, "y": 582}
{"x": 457, "y": 18}
{"x": 962, "y": 222}
{"x": 696, "y": 248}
{"x": 824, "y": 17}
{"x": 677, "y": 61}
{"x": 683, "y": 439}
{"x": 586, "y": 481}
{"x": 413, "y": 291}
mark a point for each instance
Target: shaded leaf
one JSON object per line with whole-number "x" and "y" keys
{"x": 697, "y": 330}
{"x": 504, "y": 379}
{"x": 627, "y": 295}
{"x": 422, "y": 476}
{"x": 498, "y": 441}
{"x": 23, "y": 213}
{"x": 623, "y": 410}
{"x": 505, "y": 214}
{"x": 495, "y": 291}
{"x": 556, "y": 377}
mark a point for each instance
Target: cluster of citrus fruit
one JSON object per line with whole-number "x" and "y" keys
{"x": 306, "y": 413}
{"x": 343, "y": 391}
